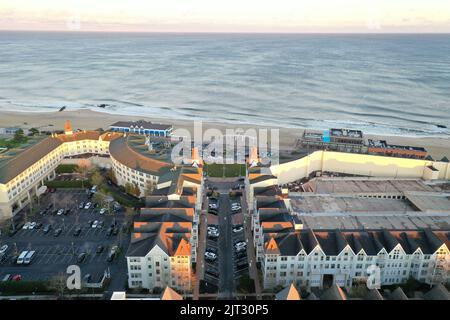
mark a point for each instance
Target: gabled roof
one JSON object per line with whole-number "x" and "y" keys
{"x": 438, "y": 292}
{"x": 288, "y": 293}
{"x": 373, "y": 294}
{"x": 170, "y": 294}
{"x": 272, "y": 247}
{"x": 398, "y": 294}
{"x": 334, "y": 293}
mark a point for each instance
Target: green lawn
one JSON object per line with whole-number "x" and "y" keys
{"x": 225, "y": 170}
{"x": 66, "y": 168}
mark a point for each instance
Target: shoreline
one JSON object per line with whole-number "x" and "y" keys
{"x": 87, "y": 119}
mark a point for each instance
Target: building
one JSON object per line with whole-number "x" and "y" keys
{"x": 165, "y": 237}
{"x": 24, "y": 169}
{"x": 327, "y": 235}
{"x": 344, "y": 140}
{"x": 381, "y": 147}
{"x": 324, "y": 258}
{"x": 142, "y": 127}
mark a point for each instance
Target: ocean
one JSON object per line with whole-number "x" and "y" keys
{"x": 383, "y": 84}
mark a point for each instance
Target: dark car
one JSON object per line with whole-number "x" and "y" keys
{"x": 77, "y": 232}
{"x": 100, "y": 249}
{"x": 111, "y": 256}
{"x": 81, "y": 205}
{"x": 109, "y": 231}
{"x": 81, "y": 257}
{"x": 57, "y": 232}
{"x": 115, "y": 231}
{"x": 47, "y": 228}
{"x": 38, "y": 225}
{"x": 212, "y": 272}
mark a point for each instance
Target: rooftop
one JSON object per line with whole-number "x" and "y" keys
{"x": 364, "y": 185}
{"x": 348, "y": 133}
{"x": 141, "y": 124}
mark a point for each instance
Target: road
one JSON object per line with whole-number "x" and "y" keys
{"x": 226, "y": 281}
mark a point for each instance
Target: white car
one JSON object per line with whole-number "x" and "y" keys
{"x": 210, "y": 256}
{"x": 241, "y": 244}
{"x": 32, "y": 225}
{"x": 3, "y": 248}
{"x": 238, "y": 229}
{"x": 102, "y": 210}
{"x": 212, "y": 228}
{"x": 213, "y": 205}
{"x": 88, "y": 205}
{"x": 60, "y": 212}
{"x": 95, "y": 224}
{"x": 26, "y": 226}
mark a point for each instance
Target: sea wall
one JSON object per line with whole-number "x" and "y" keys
{"x": 361, "y": 164}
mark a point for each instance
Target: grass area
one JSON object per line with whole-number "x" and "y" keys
{"x": 225, "y": 170}
{"x": 66, "y": 168}
{"x": 121, "y": 197}
{"x": 68, "y": 184}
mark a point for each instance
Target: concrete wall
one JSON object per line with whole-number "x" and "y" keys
{"x": 359, "y": 164}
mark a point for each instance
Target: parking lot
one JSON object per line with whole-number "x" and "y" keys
{"x": 225, "y": 215}
{"x": 54, "y": 252}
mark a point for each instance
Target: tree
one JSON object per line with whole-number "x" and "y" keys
{"x": 83, "y": 169}
{"x": 112, "y": 176}
{"x": 133, "y": 189}
{"x": 150, "y": 187}
{"x": 59, "y": 284}
{"x": 97, "y": 179}
{"x": 34, "y": 131}
{"x": 19, "y": 136}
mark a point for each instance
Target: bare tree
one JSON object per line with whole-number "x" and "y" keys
{"x": 59, "y": 284}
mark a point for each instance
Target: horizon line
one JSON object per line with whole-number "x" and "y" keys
{"x": 378, "y": 32}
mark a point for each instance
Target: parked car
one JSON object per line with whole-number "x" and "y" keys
{"x": 81, "y": 257}
{"x": 81, "y": 205}
{"x": 210, "y": 256}
{"x": 100, "y": 249}
{"x": 87, "y": 206}
{"x": 3, "y": 249}
{"x": 47, "y": 228}
{"x": 95, "y": 224}
{"x": 211, "y": 249}
{"x": 237, "y": 229}
{"x": 7, "y": 277}
{"x": 115, "y": 231}
{"x": 87, "y": 278}
{"x": 109, "y": 231}
{"x": 16, "y": 277}
{"x": 26, "y": 226}
{"x": 60, "y": 212}
{"x": 212, "y": 272}
{"x": 38, "y": 225}
{"x": 57, "y": 232}
{"x": 102, "y": 210}
{"x": 77, "y": 232}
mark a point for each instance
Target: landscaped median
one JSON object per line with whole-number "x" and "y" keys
{"x": 68, "y": 184}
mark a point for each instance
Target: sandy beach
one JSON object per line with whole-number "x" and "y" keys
{"x": 88, "y": 119}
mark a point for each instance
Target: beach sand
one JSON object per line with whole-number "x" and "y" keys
{"x": 88, "y": 119}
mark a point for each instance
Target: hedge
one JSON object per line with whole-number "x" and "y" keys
{"x": 24, "y": 287}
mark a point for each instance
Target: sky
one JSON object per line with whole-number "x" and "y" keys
{"x": 227, "y": 16}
